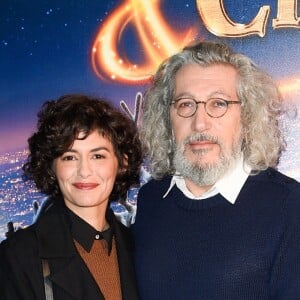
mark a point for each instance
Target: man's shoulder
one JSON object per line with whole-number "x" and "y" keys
{"x": 152, "y": 192}
{"x": 274, "y": 184}
{"x": 273, "y": 176}
{"x": 155, "y": 185}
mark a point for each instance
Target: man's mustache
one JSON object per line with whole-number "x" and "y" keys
{"x": 199, "y": 137}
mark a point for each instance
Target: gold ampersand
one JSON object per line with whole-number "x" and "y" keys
{"x": 157, "y": 40}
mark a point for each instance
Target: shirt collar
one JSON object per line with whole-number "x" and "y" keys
{"x": 85, "y": 234}
{"x": 229, "y": 186}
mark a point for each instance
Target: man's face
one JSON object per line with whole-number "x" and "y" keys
{"x": 206, "y": 146}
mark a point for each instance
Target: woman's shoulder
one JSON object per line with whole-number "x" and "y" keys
{"x": 20, "y": 238}
{"x": 19, "y": 248}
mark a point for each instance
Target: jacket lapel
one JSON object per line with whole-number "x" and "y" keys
{"x": 68, "y": 270}
{"x": 56, "y": 245}
{"x": 124, "y": 246}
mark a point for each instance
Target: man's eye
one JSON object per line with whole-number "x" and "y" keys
{"x": 218, "y": 103}
{"x": 185, "y": 103}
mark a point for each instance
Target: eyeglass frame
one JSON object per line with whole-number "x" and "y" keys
{"x": 204, "y": 103}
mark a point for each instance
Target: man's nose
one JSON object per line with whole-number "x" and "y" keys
{"x": 201, "y": 120}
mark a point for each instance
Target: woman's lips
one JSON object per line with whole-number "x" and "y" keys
{"x": 85, "y": 186}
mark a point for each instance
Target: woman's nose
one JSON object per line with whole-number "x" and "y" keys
{"x": 84, "y": 169}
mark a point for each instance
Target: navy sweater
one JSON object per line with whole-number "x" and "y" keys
{"x": 212, "y": 249}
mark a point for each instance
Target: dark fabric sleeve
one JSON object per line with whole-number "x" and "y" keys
{"x": 286, "y": 271}
{"x": 19, "y": 272}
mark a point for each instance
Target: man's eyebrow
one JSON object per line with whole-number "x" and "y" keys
{"x": 184, "y": 94}
{"x": 219, "y": 92}
{"x": 212, "y": 94}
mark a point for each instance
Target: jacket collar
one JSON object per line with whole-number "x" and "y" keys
{"x": 55, "y": 243}
{"x": 53, "y": 232}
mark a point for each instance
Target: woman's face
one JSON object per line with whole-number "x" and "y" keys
{"x": 86, "y": 173}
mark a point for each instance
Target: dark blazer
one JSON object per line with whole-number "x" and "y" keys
{"x": 21, "y": 275}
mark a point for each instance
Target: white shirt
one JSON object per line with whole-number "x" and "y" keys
{"x": 229, "y": 186}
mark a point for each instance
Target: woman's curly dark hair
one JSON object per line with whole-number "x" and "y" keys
{"x": 59, "y": 123}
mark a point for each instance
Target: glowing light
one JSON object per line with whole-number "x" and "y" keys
{"x": 157, "y": 40}
{"x": 289, "y": 87}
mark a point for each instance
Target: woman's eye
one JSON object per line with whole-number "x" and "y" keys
{"x": 68, "y": 157}
{"x": 99, "y": 156}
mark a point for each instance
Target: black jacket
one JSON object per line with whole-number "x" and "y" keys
{"x": 21, "y": 275}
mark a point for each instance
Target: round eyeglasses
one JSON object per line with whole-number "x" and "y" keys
{"x": 214, "y": 107}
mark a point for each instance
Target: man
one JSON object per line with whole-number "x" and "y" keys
{"x": 217, "y": 221}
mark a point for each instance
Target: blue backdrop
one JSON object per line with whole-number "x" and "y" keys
{"x": 110, "y": 48}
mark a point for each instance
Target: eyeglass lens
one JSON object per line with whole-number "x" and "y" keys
{"x": 214, "y": 107}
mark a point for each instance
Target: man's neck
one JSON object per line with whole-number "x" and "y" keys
{"x": 228, "y": 185}
{"x": 196, "y": 189}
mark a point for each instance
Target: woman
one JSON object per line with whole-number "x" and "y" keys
{"x": 84, "y": 154}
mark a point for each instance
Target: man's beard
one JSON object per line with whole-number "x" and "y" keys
{"x": 204, "y": 173}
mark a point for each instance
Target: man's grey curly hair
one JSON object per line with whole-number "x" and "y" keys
{"x": 261, "y": 106}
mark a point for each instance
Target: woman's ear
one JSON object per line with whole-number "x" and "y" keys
{"x": 125, "y": 164}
